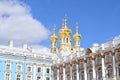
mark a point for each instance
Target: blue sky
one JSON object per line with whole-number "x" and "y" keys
{"x": 99, "y": 20}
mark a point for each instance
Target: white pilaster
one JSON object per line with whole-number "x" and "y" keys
{"x": 103, "y": 68}
{"x": 44, "y": 72}
{"x": 57, "y": 74}
{"x": 114, "y": 68}
{"x": 71, "y": 72}
{"x": 94, "y": 72}
{"x": 77, "y": 71}
{"x": 64, "y": 76}
{"x": 34, "y": 71}
{"x": 85, "y": 71}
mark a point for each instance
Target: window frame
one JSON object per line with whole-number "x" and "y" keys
{"x": 18, "y": 78}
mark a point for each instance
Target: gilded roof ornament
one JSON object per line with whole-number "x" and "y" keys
{"x": 64, "y": 24}
{"x": 76, "y": 27}
{"x": 54, "y": 29}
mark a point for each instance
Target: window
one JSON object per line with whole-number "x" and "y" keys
{"x": 74, "y": 76}
{"x": 108, "y": 59}
{"x": 19, "y": 68}
{"x": 38, "y": 78}
{"x": 66, "y": 40}
{"x": 48, "y": 70}
{"x": 89, "y": 63}
{"x": 39, "y": 69}
{"x": 28, "y": 77}
{"x": 90, "y": 75}
{"x": 18, "y": 77}
{"x": 7, "y": 77}
{"x": 68, "y": 76}
{"x": 98, "y": 61}
{"x": 99, "y": 73}
{"x": 47, "y": 78}
{"x": 81, "y": 65}
{"x": 29, "y": 69}
{"x": 110, "y": 71}
{"x": 74, "y": 67}
{"x": 7, "y": 66}
{"x": 82, "y": 75}
{"x": 118, "y": 56}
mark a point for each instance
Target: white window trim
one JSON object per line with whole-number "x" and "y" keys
{"x": 40, "y": 69}
{"x": 20, "y": 76}
{"x": 5, "y": 76}
{"x": 49, "y": 70}
{"x": 30, "y": 76}
{"x": 27, "y": 68}
{"x": 17, "y": 67}
{"x": 39, "y": 76}
{"x": 6, "y": 66}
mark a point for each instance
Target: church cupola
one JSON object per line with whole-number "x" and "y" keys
{"x": 77, "y": 38}
{"x": 64, "y": 33}
{"x": 53, "y": 39}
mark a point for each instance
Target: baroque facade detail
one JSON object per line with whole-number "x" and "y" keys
{"x": 100, "y": 62}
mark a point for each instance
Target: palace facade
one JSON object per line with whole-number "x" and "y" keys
{"x": 62, "y": 62}
{"x": 24, "y": 63}
{"x": 100, "y": 62}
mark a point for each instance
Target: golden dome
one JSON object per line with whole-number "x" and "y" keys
{"x": 65, "y": 31}
{"x": 76, "y": 36}
{"x": 54, "y": 38}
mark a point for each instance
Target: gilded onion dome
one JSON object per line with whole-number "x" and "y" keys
{"x": 77, "y": 36}
{"x": 65, "y": 31}
{"x": 54, "y": 38}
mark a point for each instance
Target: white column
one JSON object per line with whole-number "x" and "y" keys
{"x": 114, "y": 68}
{"x": 103, "y": 68}
{"x": 34, "y": 71}
{"x": 94, "y": 72}
{"x": 57, "y": 74}
{"x": 71, "y": 72}
{"x": 44, "y": 72}
{"x": 51, "y": 72}
{"x": 64, "y": 76}
{"x": 77, "y": 71}
{"x": 85, "y": 71}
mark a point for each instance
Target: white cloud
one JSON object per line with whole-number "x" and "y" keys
{"x": 17, "y": 24}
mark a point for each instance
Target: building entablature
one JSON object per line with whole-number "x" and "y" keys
{"x": 25, "y": 53}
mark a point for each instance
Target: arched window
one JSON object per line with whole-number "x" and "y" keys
{"x": 68, "y": 74}
{"x": 82, "y": 75}
{"x": 110, "y": 71}
{"x": 99, "y": 61}
{"x": 74, "y": 76}
{"x": 90, "y": 77}
{"x": 66, "y": 40}
{"x": 108, "y": 58}
{"x": 118, "y": 56}
{"x": 81, "y": 65}
{"x": 99, "y": 76}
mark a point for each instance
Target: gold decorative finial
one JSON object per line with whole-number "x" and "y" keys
{"x": 64, "y": 24}
{"x": 54, "y": 29}
{"x": 76, "y": 27}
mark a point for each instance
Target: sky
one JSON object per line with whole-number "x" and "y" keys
{"x": 31, "y": 21}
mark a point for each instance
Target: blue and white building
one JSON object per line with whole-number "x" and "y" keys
{"x": 24, "y": 64}
{"x": 62, "y": 62}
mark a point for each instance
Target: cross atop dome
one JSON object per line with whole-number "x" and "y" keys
{"x": 64, "y": 24}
